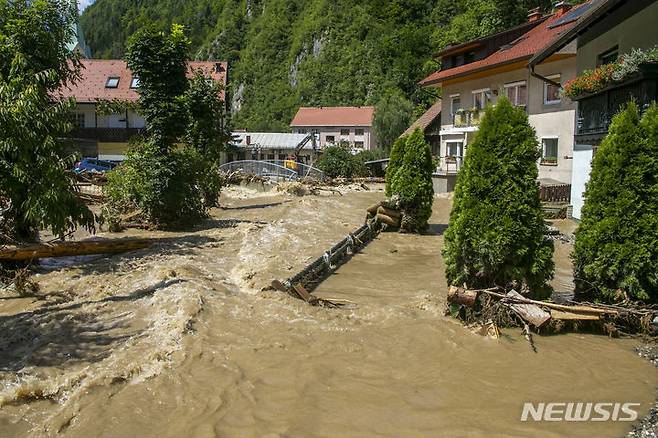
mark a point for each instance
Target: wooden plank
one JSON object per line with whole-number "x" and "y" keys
{"x": 303, "y": 293}
{"x": 66, "y": 249}
{"x": 574, "y": 316}
{"x": 531, "y": 313}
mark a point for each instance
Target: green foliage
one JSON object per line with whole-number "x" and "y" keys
{"x": 206, "y": 129}
{"x": 172, "y": 186}
{"x": 338, "y": 161}
{"x": 285, "y": 54}
{"x": 616, "y": 250}
{"x": 393, "y": 115}
{"x": 36, "y": 185}
{"x": 394, "y": 162}
{"x": 495, "y": 235}
{"x": 413, "y": 183}
{"x": 172, "y": 190}
{"x": 159, "y": 61}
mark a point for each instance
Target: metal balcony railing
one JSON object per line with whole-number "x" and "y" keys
{"x": 449, "y": 165}
{"x": 467, "y": 118}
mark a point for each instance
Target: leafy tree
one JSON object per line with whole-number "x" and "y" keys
{"x": 394, "y": 162}
{"x": 172, "y": 187}
{"x": 159, "y": 61}
{"x": 616, "y": 250}
{"x": 495, "y": 235}
{"x": 338, "y": 161}
{"x": 36, "y": 184}
{"x": 413, "y": 183}
{"x": 393, "y": 115}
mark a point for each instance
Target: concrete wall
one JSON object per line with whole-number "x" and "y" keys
{"x": 368, "y": 138}
{"x": 558, "y": 125}
{"x": 638, "y": 31}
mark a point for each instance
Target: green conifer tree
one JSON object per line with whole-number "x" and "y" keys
{"x": 495, "y": 235}
{"x": 394, "y": 162}
{"x": 616, "y": 250}
{"x": 413, "y": 183}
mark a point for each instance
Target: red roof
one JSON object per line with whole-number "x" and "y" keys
{"x": 424, "y": 121}
{"x": 334, "y": 116}
{"x": 521, "y": 49}
{"x": 91, "y": 87}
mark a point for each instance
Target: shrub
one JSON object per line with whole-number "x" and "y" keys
{"x": 172, "y": 190}
{"x": 394, "y": 162}
{"x": 338, "y": 161}
{"x": 495, "y": 235}
{"x": 413, "y": 183}
{"x": 616, "y": 250}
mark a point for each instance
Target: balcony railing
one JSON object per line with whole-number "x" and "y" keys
{"x": 107, "y": 134}
{"x": 449, "y": 165}
{"x": 467, "y": 118}
{"x": 595, "y": 111}
{"x": 555, "y": 193}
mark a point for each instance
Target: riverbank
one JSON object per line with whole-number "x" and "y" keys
{"x": 182, "y": 339}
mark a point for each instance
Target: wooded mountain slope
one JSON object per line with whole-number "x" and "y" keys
{"x": 287, "y": 53}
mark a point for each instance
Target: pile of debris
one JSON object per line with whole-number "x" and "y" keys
{"x": 485, "y": 310}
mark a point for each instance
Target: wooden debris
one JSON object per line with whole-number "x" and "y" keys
{"x": 303, "y": 293}
{"x": 531, "y": 313}
{"x": 395, "y": 214}
{"x": 574, "y": 316}
{"x": 372, "y": 210}
{"x": 384, "y": 219}
{"x": 459, "y": 295}
{"x": 65, "y": 249}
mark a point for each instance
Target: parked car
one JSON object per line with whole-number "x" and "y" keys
{"x": 93, "y": 165}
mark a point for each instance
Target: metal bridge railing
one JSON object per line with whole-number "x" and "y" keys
{"x": 286, "y": 170}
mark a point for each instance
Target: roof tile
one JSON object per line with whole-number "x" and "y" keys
{"x": 334, "y": 116}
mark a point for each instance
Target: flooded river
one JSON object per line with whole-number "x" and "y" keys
{"x": 180, "y": 340}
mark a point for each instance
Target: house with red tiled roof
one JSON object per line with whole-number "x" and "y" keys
{"x": 479, "y": 72}
{"x": 350, "y": 124}
{"x": 430, "y": 124}
{"x": 106, "y": 136}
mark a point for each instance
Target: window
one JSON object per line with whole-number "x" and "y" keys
{"x": 344, "y": 132}
{"x": 78, "y": 120}
{"x": 358, "y": 144}
{"x": 302, "y": 131}
{"x": 481, "y": 98}
{"x": 549, "y": 150}
{"x": 134, "y": 83}
{"x": 608, "y": 57}
{"x": 112, "y": 82}
{"x": 551, "y": 92}
{"x": 330, "y": 138}
{"x": 358, "y": 131}
{"x": 455, "y": 103}
{"x": 517, "y": 93}
{"x": 454, "y": 148}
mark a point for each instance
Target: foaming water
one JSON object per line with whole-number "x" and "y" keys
{"x": 181, "y": 340}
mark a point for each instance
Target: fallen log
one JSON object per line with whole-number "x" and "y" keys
{"x": 573, "y": 309}
{"x": 531, "y": 313}
{"x": 459, "y": 295}
{"x": 373, "y": 208}
{"x": 66, "y": 249}
{"x": 384, "y": 219}
{"x": 572, "y": 316}
{"x": 395, "y": 214}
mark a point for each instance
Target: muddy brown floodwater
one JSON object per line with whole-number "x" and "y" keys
{"x": 180, "y": 341}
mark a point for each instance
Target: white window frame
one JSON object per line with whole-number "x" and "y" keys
{"x": 453, "y": 110}
{"x": 516, "y": 85}
{"x": 543, "y": 150}
{"x": 134, "y": 83}
{"x": 460, "y": 148}
{"x": 551, "y": 102}
{"x": 483, "y": 93}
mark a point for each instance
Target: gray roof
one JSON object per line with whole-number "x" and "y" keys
{"x": 270, "y": 140}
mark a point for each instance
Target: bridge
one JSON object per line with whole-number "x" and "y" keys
{"x": 279, "y": 170}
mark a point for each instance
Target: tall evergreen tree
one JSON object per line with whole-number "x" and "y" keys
{"x": 412, "y": 182}
{"x": 616, "y": 250}
{"x": 496, "y": 232}
{"x": 394, "y": 162}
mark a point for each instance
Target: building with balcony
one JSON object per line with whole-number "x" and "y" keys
{"x": 477, "y": 73}
{"x": 106, "y": 136}
{"x": 334, "y": 125}
{"x": 609, "y": 29}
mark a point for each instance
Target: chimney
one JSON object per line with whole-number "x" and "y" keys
{"x": 534, "y": 15}
{"x": 561, "y": 8}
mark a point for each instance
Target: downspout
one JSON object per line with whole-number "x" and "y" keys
{"x": 533, "y": 73}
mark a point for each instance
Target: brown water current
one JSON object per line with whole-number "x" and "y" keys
{"x": 180, "y": 340}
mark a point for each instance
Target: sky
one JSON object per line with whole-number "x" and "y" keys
{"x": 82, "y": 4}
